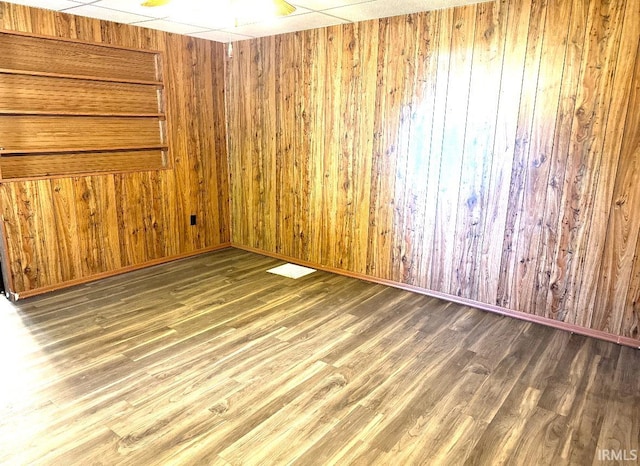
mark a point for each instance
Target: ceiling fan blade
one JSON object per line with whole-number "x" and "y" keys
{"x": 283, "y": 8}
{"x": 155, "y": 2}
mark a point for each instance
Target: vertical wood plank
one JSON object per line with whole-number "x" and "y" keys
{"x": 48, "y": 237}
{"x": 511, "y": 82}
{"x": 411, "y": 236}
{"x": 343, "y": 150}
{"x": 560, "y": 154}
{"x": 404, "y": 199}
{"x": 488, "y": 50}
{"x": 540, "y": 149}
{"x": 317, "y": 104}
{"x": 583, "y": 168}
{"x": 304, "y": 50}
{"x": 508, "y": 292}
{"x": 13, "y": 254}
{"x": 235, "y": 83}
{"x": 609, "y": 258}
{"x": 284, "y": 68}
{"x": 88, "y": 225}
{"x": 218, "y": 179}
{"x": 444, "y": 23}
{"x": 66, "y": 225}
{"x": 268, "y": 152}
{"x": 453, "y": 145}
{"x": 623, "y": 229}
{"x": 384, "y": 156}
{"x": 631, "y": 319}
{"x": 363, "y": 140}
{"x": 333, "y": 109}
{"x": 24, "y": 203}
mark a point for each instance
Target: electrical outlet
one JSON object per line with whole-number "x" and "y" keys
{"x": 194, "y": 220}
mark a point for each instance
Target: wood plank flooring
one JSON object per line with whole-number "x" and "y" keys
{"x": 211, "y": 360}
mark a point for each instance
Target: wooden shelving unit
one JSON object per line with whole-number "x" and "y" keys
{"x": 88, "y": 107}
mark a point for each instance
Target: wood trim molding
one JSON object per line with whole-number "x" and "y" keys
{"x": 79, "y": 281}
{"x": 606, "y": 336}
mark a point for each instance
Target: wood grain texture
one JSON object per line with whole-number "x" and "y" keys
{"x": 587, "y": 168}
{"x": 67, "y": 134}
{"x": 27, "y": 53}
{"x": 484, "y": 97}
{"x": 487, "y": 149}
{"x": 212, "y": 360}
{"x": 19, "y": 93}
{"x": 613, "y": 289}
{"x": 560, "y": 153}
{"x": 66, "y": 229}
{"x": 34, "y": 166}
{"x": 44, "y": 111}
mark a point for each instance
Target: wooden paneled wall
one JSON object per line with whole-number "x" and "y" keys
{"x": 64, "y": 230}
{"x": 489, "y": 151}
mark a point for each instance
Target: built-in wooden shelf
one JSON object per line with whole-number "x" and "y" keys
{"x": 160, "y": 116}
{"x": 76, "y": 107}
{"x": 78, "y": 150}
{"x": 81, "y": 77}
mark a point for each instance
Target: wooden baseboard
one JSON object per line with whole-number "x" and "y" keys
{"x": 110, "y": 273}
{"x": 626, "y": 341}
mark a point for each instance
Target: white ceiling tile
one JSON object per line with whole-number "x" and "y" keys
{"x": 220, "y": 36}
{"x": 50, "y": 4}
{"x": 287, "y": 24}
{"x": 212, "y": 16}
{"x": 197, "y": 16}
{"x": 324, "y": 4}
{"x": 202, "y": 18}
{"x": 134, "y": 7}
{"x": 169, "y": 26}
{"x": 107, "y": 14}
{"x": 384, "y": 8}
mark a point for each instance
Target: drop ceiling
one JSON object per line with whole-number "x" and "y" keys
{"x": 203, "y": 18}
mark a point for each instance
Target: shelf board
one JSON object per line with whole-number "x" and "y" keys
{"x": 76, "y": 150}
{"x": 160, "y": 116}
{"x": 79, "y": 77}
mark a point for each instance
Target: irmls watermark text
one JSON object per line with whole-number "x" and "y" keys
{"x": 617, "y": 455}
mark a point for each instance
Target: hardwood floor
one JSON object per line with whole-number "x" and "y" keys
{"x": 211, "y": 360}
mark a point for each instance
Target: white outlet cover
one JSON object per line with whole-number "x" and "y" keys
{"x": 291, "y": 271}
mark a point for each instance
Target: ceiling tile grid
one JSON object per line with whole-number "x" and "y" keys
{"x": 208, "y": 20}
